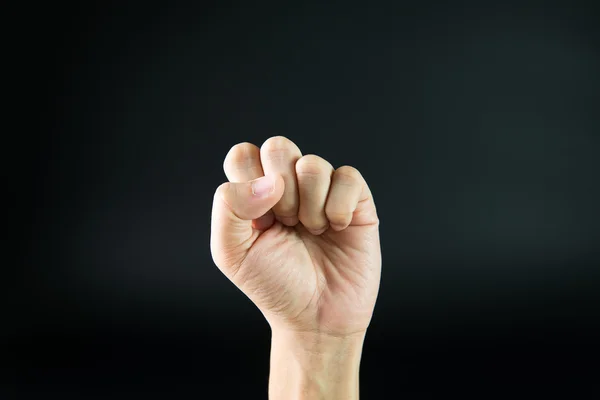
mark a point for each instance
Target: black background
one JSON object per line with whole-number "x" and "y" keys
{"x": 475, "y": 124}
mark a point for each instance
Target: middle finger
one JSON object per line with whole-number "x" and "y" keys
{"x": 278, "y": 155}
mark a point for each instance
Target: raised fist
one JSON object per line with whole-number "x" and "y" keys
{"x": 298, "y": 237}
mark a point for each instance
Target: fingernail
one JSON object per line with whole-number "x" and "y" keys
{"x": 263, "y": 186}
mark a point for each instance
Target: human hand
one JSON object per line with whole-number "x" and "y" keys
{"x": 299, "y": 238}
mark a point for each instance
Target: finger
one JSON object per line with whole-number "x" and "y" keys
{"x": 278, "y": 155}
{"x": 314, "y": 177}
{"x": 235, "y": 206}
{"x": 242, "y": 164}
{"x": 350, "y": 201}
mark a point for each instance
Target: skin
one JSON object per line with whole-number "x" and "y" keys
{"x": 307, "y": 253}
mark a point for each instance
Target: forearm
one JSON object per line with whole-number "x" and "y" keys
{"x": 314, "y": 366}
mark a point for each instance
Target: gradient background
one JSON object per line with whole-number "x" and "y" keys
{"x": 476, "y": 127}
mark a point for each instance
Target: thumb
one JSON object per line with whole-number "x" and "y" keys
{"x": 235, "y": 206}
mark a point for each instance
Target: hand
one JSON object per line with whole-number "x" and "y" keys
{"x": 299, "y": 238}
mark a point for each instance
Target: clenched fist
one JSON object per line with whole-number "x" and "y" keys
{"x": 298, "y": 237}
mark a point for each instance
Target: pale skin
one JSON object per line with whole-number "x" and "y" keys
{"x": 301, "y": 239}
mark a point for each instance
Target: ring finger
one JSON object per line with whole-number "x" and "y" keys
{"x": 314, "y": 177}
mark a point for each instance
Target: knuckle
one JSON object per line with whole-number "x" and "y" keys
{"x": 348, "y": 174}
{"x": 275, "y": 143}
{"x": 279, "y": 145}
{"x": 312, "y": 165}
{"x": 241, "y": 155}
{"x": 221, "y": 190}
{"x": 239, "y": 152}
{"x": 223, "y": 196}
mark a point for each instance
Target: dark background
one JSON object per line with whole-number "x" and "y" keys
{"x": 475, "y": 124}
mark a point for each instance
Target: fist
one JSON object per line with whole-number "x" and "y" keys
{"x": 298, "y": 237}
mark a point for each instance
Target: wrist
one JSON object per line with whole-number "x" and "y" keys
{"x": 318, "y": 344}
{"x": 308, "y": 365}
